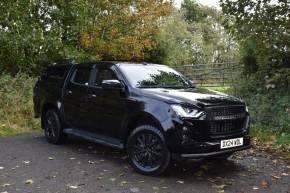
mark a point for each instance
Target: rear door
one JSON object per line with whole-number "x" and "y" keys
{"x": 75, "y": 97}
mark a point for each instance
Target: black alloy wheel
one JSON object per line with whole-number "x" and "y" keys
{"x": 53, "y": 128}
{"x": 147, "y": 150}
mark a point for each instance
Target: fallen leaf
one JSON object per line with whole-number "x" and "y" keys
{"x": 155, "y": 188}
{"x": 123, "y": 183}
{"x": 50, "y": 158}
{"x": 134, "y": 190}
{"x": 255, "y": 188}
{"x": 180, "y": 182}
{"x": 6, "y": 185}
{"x": 275, "y": 177}
{"x": 113, "y": 179}
{"x": 73, "y": 187}
{"x": 219, "y": 187}
{"x": 1, "y": 168}
{"x": 265, "y": 184}
{"x": 29, "y": 181}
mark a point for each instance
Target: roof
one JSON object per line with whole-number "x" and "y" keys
{"x": 109, "y": 63}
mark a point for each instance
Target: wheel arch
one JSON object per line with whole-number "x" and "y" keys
{"x": 143, "y": 118}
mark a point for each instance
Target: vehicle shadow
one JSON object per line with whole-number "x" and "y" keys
{"x": 178, "y": 169}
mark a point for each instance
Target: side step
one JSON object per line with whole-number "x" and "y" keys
{"x": 100, "y": 139}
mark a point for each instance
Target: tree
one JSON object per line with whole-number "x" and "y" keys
{"x": 194, "y": 34}
{"x": 39, "y": 32}
{"x": 263, "y": 31}
{"x": 122, "y": 30}
{"x": 175, "y": 44}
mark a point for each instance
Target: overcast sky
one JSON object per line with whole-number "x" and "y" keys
{"x": 204, "y": 2}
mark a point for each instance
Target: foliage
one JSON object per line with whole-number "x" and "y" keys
{"x": 40, "y": 32}
{"x": 269, "y": 108}
{"x": 175, "y": 44}
{"x": 16, "y": 113}
{"x": 193, "y": 35}
{"x": 262, "y": 29}
{"x": 122, "y": 30}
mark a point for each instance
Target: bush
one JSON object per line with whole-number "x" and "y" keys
{"x": 16, "y": 114}
{"x": 268, "y": 106}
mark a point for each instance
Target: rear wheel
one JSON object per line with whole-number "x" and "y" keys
{"x": 147, "y": 150}
{"x": 53, "y": 127}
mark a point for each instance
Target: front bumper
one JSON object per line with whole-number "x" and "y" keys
{"x": 213, "y": 154}
{"x": 198, "y": 142}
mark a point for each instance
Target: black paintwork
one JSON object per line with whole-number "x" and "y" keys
{"x": 106, "y": 113}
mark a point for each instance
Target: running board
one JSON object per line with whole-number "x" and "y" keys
{"x": 100, "y": 139}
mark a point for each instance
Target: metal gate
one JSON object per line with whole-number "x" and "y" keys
{"x": 214, "y": 74}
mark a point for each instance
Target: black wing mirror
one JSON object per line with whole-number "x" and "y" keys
{"x": 112, "y": 85}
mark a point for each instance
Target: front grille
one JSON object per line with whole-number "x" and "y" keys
{"x": 227, "y": 112}
{"x": 226, "y": 127}
{"x": 226, "y": 120}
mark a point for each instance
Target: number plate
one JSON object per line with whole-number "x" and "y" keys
{"x": 231, "y": 143}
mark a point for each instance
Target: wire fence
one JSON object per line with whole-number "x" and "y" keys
{"x": 213, "y": 74}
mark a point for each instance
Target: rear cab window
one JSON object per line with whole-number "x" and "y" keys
{"x": 81, "y": 76}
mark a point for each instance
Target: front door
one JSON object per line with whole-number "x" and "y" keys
{"x": 108, "y": 107}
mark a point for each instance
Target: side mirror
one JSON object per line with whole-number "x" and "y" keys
{"x": 112, "y": 85}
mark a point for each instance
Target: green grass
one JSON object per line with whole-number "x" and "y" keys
{"x": 224, "y": 89}
{"x": 266, "y": 135}
{"x": 9, "y": 131}
{"x": 5, "y": 131}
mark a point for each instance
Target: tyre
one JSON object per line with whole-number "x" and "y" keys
{"x": 147, "y": 150}
{"x": 53, "y": 127}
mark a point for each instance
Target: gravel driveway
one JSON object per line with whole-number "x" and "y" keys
{"x": 29, "y": 164}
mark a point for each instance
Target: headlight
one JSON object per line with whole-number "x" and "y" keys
{"x": 187, "y": 112}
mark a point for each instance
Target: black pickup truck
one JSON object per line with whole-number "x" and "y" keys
{"x": 151, "y": 111}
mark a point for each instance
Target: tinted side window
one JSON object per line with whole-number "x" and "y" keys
{"x": 57, "y": 72}
{"x": 104, "y": 74}
{"x": 81, "y": 75}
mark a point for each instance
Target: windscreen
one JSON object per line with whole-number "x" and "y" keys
{"x": 154, "y": 76}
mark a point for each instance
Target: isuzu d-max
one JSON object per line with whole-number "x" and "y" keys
{"x": 150, "y": 111}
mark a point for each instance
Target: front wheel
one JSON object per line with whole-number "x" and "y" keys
{"x": 147, "y": 150}
{"x": 53, "y": 127}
